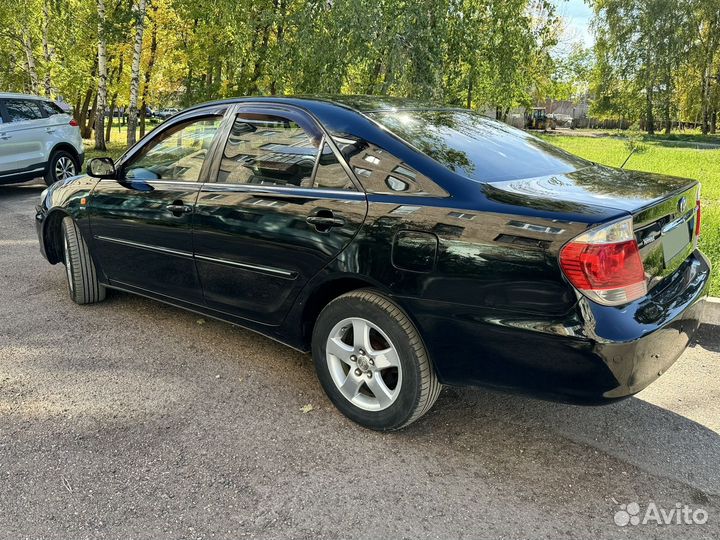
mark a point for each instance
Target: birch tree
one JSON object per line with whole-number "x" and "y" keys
{"x": 102, "y": 79}
{"x": 140, "y": 10}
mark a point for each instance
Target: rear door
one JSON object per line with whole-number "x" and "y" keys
{"x": 22, "y": 136}
{"x": 281, "y": 207}
{"x": 142, "y": 223}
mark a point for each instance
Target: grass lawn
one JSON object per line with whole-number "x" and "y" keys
{"x": 659, "y": 157}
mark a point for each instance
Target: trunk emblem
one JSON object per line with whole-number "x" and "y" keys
{"x": 682, "y": 205}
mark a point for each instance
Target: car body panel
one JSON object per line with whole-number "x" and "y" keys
{"x": 256, "y": 242}
{"x": 133, "y": 229}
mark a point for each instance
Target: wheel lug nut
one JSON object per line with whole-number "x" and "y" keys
{"x": 372, "y": 362}
{"x": 358, "y": 372}
{"x": 353, "y": 358}
{"x": 362, "y": 352}
{"x": 369, "y": 374}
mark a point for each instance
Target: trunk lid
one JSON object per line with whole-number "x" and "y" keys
{"x": 663, "y": 208}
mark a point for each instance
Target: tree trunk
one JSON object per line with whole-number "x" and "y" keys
{"x": 90, "y": 123}
{"x": 30, "y": 59}
{"x": 148, "y": 71}
{"x": 113, "y": 100}
{"x": 649, "y": 118}
{"x": 46, "y": 48}
{"x": 257, "y": 68}
{"x": 83, "y": 112}
{"x": 102, "y": 80}
{"x": 135, "y": 72}
{"x": 707, "y": 68}
{"x": 279, "y": 37}
{"x": 469, "y": 97}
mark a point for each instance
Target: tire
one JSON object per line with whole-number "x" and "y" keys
{"x": 83, "y": 285}
{"x": 62, "y": 165}
{"x": 371, "y": 361}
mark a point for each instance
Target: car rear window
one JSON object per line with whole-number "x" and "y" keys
{"x": 51, "y": 108}
{"x": 477, "y": 147}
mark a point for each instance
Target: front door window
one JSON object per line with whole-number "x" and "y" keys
{"x": 176, "y": 154}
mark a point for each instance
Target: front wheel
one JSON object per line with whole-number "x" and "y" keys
{"x": 83, "y": 285}
{"x": 371, "y": 361}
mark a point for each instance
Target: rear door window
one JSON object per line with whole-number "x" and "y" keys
{"x": 269, "y": 149}
{"x": 22, "y": 110}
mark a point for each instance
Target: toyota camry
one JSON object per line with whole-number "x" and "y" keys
{"x": 405, "y": 246}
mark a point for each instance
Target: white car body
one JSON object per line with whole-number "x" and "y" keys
{"x": 37, "y": 139}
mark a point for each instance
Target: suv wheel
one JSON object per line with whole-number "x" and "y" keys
{"x": 83, "y": 285}
{"x": 62, "y": 165}
{"x": 372, "y": 363}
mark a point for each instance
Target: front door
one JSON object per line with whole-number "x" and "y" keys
{"x": 142, "y": 223}
{"x": 282, "y": 207}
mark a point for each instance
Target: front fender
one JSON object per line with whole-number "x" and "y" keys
{"x": 66, "y": 198}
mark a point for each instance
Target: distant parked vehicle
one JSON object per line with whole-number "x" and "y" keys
{"x": 164, "y": 114}
{"x": 37, "y": 138}
{"x": 537, "y": 118}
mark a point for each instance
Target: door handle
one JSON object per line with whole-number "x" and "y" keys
{"x": 5, "y": 137}
{"x": 178, "y": 208}
{"x": 324, "y": 220}
{"x": 50, "y": 130}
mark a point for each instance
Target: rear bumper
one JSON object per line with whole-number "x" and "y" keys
{"x": 596, "y": 354}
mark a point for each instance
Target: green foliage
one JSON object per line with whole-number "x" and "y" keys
{"x": 481, "y": 53}
{"x": 655, "y": 59}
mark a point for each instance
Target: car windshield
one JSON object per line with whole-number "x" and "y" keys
{"x": 477, "y": 147}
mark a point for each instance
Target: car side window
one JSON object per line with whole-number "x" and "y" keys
{"x": 330, "y": 174}
{"x": 19, "y": 110}
{"x": 379, "y": 171}
{"x": 51, "y": 108}
{"x": 178, "y": 153}
{"x": 265, "y": 149}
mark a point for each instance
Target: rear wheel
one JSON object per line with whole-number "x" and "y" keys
{"x": 83, "y": 285}
{"x": 372, "y": 363}
{"x": 62, "y": 165}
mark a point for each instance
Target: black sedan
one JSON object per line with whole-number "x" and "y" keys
{"x": 406, "y": 246}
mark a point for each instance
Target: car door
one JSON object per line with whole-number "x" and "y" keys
{"x": 142, "y": 222}
{"x": 22, "y": 136}
{"x": 282, "y": 205}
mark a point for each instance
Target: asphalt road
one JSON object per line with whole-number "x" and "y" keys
{"x": 131, "y": 419}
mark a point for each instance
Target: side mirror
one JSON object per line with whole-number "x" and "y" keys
{"x": 103, "y": 167}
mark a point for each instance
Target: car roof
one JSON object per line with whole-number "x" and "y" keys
{"x": 358, "y": 103}
{"x": 23, "y": 96}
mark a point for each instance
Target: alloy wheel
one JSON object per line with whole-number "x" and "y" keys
{"x": 64, "y": 168}
{"x": 364, "y": 364}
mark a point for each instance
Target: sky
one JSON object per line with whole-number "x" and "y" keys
{"x": 577, "y": 15}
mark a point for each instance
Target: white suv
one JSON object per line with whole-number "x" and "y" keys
{"x": 37, "y": 138}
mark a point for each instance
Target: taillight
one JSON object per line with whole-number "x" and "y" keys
{"x": 697, "y": 214}
{"x": 605, "y": 265}
{"x": 73, "y": 123}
